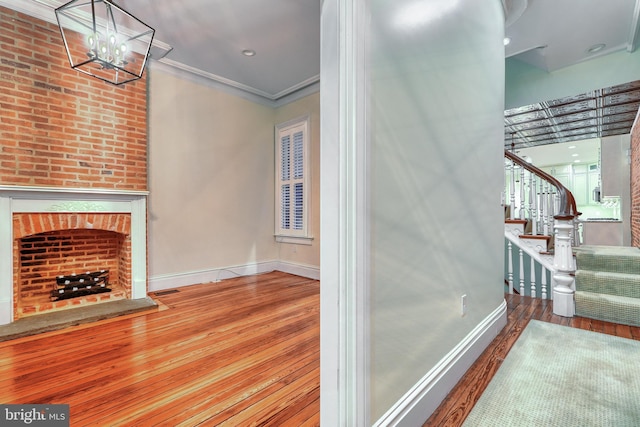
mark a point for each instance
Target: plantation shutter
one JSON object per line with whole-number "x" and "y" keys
{"x": 291, "y": 185}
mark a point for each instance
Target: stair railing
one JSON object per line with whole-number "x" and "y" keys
{"x": 548, "y": 208}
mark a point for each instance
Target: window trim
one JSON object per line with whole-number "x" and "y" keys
{"x": 283, "y": 235}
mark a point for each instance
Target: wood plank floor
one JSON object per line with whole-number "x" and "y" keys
{"x": 240, "y": 352}
{"x": 457, "y": 405}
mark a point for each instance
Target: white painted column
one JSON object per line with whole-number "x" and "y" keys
{"x": 344, "y": 299}
{"x": 6, "y": 261}
{"x": 139, "y": 248}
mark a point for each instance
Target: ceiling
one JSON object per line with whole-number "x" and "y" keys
{"x": 596, "y": 114}
{"x": 207, "y": 37}
{"x": 572, "y": 30}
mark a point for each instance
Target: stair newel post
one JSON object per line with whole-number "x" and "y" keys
{"x": 564, "y": 287}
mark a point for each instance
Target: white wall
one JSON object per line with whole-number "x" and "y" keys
{"x": 211, "y": 182}
{"x": 437, "y": 101}
{"x": 412, "y": 105}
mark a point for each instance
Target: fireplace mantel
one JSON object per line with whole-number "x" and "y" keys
{"x": 23, "y": 199}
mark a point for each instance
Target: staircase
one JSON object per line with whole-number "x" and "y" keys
{"x": 608, "y": 283}
{"x": 544, "y": 258}
{"x": 540, "y": 232}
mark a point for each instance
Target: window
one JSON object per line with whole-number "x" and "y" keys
{"x": 292, "y": 182}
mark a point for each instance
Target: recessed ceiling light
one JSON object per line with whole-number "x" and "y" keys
{"x": 249, "y": 52}
{"x": 576, "y": 161}
{"x": 571, "y": 147}
{"x": 507, "y": 40}
{"x": 596, "y": 48}
{"x": 574, "y": 155}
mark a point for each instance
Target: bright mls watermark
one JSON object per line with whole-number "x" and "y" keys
{"x": 34, "y": 415}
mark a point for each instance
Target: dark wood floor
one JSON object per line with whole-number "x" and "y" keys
{"x": 457, "y": 405}
{"x": 246, "y": 354}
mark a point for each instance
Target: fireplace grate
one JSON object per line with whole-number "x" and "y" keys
{"x": 78, "y": 285}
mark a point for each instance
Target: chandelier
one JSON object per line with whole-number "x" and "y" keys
{"x": 103, "y": 40}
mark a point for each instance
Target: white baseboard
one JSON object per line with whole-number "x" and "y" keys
{"x": 168, "y": 281}
{"x": 308, "y": 271}
{"x": 415, "y": 407}
{"x": 6, "y": 312}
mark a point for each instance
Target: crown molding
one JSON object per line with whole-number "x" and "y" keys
{"x": 206, "y": 79}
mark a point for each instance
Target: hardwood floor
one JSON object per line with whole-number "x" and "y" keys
{"x": 243, "y": 351}
{"x": 457, "y": 405}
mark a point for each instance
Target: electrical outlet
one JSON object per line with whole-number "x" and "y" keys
{"x": 463, "y": 305}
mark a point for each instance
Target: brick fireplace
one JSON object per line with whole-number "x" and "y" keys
{"x": 51, "y": 232}
{"x": 73, "y": 173}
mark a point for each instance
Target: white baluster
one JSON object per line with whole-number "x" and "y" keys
{"x": 534, "y": 206}
{"x": 521, "y": 272}
{"x": 543, "y": 281}
{"x": 550, "y": 209}
{"x": 512, "y": 191}
{"x": 541, "y": 206}
{"x": 504, "y": 186}
{"x": 545, "y": 214}
{"x": 522, "y": 215}
{"x": 510, "y": 270}
{"x": 530, "y": 198}
{"x": 533, "y": 279}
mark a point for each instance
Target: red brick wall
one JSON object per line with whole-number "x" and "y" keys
{"x": 635, "y": 185}
{"x": 60, "y": 127}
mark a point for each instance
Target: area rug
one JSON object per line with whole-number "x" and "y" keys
{"x": 560, "y": 376}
